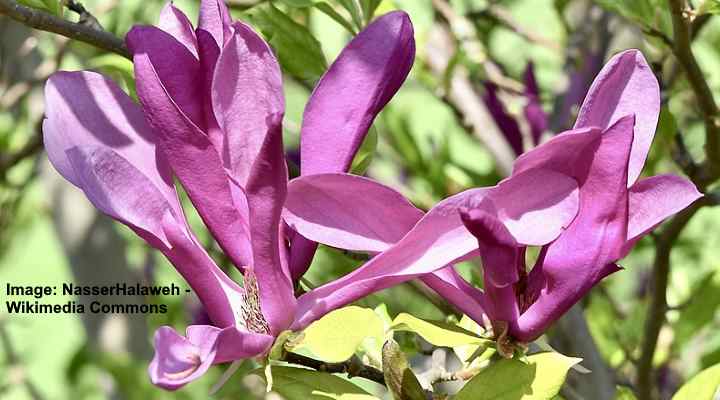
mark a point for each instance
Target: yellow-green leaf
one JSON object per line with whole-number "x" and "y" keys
{"x": 336, "y": 336}
{"x": 304, "y": 384}
{"x": 437, "y": 332}
{"x": 702, "y": 386}
{"x": 539, "y": 377}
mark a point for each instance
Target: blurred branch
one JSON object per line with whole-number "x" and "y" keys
{"x": 683, "y": 52}
{"x": 503, "y": 17}
{"x": 658, "y": 303}
{"x": 44, "y": 21}
{"x": 353, "y": 367}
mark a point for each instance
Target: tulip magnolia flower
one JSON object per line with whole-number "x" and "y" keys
{"x": 585, "y": 180}
{"x": 210, "y": 114}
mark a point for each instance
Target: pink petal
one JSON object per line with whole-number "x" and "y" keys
{"x": 214, "y": 18}
{"x": 192, "y": 157}
{"x": 440, "y": 238}
{"x": 456, "y": 290}
{"x": 176, "y": 23}
{"x": 586, "y": 251}
{"x": 625, "y": 86}
{"x": 320, "y": 207}
{"x": 266, "y": 192}
{"x": 247, "y": 98}
{"x": 178, "y": 360}
{"x": 654, "y": 199}
{"x": 357, "y": 86}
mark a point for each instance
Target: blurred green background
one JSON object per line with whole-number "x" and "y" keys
{"x": 426, "y": 147}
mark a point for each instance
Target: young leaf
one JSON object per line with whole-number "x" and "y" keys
{"x": 540, "y": 377}
{"x": 304, "y": 384}
{"x": 399, "y": 378}
{"x": 299, "y": 52}
{"x": 702, "y": 386}
{"x": 438, "y": 333}
{"x": 336, "y": 336}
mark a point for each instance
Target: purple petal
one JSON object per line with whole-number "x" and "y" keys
{"x": 247, "y": 98}
{"x": 654, "y": 199}
{"x": 625, "y": 86}
{"x": 527, "y": 204}
{"x": 179, "y": 360}
{"x": 214, "y": 18}
{"x": 266, "y": 192}
{"x": 586, "y": 251}
{"x": 319, "y": 207}
{"x": 561, "y": 153}
{"x": 456, "y": 290}
{"x": 503, "y": 259}
{"x": 173, "y": 64}
{"x": 534, "y": 113}
{"x": 507, "y": 124}
{"x": 192, "y": 157}
{"x": 176, "y": 23}
{"x": 357, "y": 86}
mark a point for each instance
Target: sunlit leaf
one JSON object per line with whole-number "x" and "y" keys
{"x": 702, "y": 386}
{"x": 438, "y": 333}
{"x": 304, "y": 384}
{"x": 540, "y": 377}
{"x": 336, "y": 336}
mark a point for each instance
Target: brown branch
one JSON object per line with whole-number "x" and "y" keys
{"x": 658, "y": 303}
{"x": 682, "y": 37}
{"x": 353, "y": 367}
{"x": 47, "y": 22}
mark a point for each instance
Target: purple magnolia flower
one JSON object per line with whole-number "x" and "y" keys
{"x": 578, "y": 196}
{"x": 210, "y": 114}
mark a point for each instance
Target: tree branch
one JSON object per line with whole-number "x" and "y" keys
{"x": 353, "y": 367}
{"x": 47, "y": 22}
{"x": 682, "y": 37}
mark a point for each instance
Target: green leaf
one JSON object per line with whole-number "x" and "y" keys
{"x": 539, "y": 378}
{"x": 330, "y": 12}
{"x": 300, "y": 3}
{"x": 304, "y": 384}
{"x": 365, "y": 153}
{"x": 700, "y": 311}
{"x": 52, "y": 6}
{"x": 299, "y": 52}
{"x": 702, "y": 386}
{"x": 352, "y": 7}
{"x": 438, "y": 333}
{"x": 337, "y": 336}
{"x": 624, "y": 393}
{"x": 347, "y": 396}
{"x": 368, "y": 8}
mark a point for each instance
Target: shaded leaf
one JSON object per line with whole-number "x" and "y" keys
{"x": 399, "y": 378}
{"x": 305, "y": 384}
{"x": 438, "y": 333}
{"x": 540, "y": 377}
{"x": 702, "y": 386}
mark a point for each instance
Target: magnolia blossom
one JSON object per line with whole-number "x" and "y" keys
{"x": 210, "y": 115}
{"x": 585, "y": 180}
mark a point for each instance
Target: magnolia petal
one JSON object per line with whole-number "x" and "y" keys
{"x": 214, "y": 18}
{"x": 247, "y": 99}
{"x": 502, "y": 261}
{"x": 654, "y": 199}
{"x": 120, "y": 190}
{"x": 625, "y": 86}
{"x": 448, "y": 283}
{"x": 533, "y": 110}
{"x": 176, "y": 23}
{"x": 581, "y": 256}
{"x": 194, "y": 160}
{"x": 220, "y": 296}
{"x": 561, "y": 153}
{"x": 88, "y": 109}
{"x": 172, "y": 64}
{"x": 440, "y": 238}
{"x": 355, "y": 88}
{"x": 266, "y": 191}
{"x": 324, "y": 208}
{"x": 504, "y": 121}
{"x": 179, "y": 360}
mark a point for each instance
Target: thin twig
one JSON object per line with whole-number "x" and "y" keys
{"x": 47, "y": 22}
{"x": 684, "y": 54}
{"x": 353, "y": 367}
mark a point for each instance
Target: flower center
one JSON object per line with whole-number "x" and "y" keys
{"x": 251, "y": 311}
